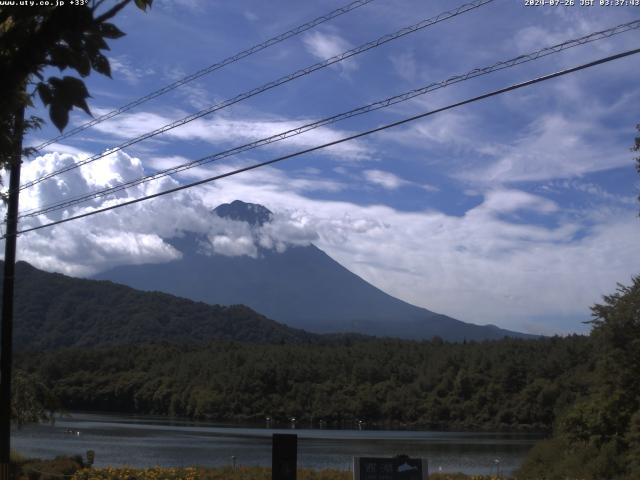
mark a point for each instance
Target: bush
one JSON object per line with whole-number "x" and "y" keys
{"x": 197, "y": 473}
{"x": 559, "y": 459}
{"x": 34, "y": 469}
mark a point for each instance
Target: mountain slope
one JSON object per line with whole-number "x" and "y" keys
{"x": 302, "y": 287}
{"x": 53, "y": 311}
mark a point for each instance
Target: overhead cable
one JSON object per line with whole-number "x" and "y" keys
{"x": 207, "y": 70}
{"x": 275, "y": 83}
{"x": 477, "y": 72}
{"x": 336, "y": 142}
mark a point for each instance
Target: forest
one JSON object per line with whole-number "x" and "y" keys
{"x": 54, "y": 311}
{"x": 582, "y": 390}
{"x": 504, "y": 384}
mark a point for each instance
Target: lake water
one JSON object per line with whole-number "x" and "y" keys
{"x": 148, "y": 441}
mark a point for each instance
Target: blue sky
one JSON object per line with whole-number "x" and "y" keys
{"x": 519, "y": 210}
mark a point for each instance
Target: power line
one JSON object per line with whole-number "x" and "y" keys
{"x": 335, "y": 118}
{"x": 211, "y": 68}
{"x": 342, "y": 140}
{"x": 275, "y": 83}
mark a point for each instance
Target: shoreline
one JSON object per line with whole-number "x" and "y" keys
{"x": 488, "y": 429}
{"x": 184, "y": 442}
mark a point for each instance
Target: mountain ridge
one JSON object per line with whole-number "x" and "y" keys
{"x": 52, "y": 310}
{"x": 252, "y": 213}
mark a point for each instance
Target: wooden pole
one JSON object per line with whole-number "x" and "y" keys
{"x": 6, "y": 329}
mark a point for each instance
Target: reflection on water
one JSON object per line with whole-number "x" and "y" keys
{"x": 149, "y": 441}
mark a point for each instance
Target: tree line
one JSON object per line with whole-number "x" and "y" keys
{"x": 502, "y": 384}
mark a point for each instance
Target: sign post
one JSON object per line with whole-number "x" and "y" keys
{"x": 284, "y": 457}
{"x": 397, "y": 468}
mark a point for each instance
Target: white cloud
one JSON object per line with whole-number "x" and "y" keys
{"x": 220, "y": 130}
{"x": 483, "y": 269}
{"x": 502, "y": 201}
{"x": 125, "y": 68}
{"x": 391, "y": 181}
{"x": 384, "y": 179}
{"x": 326, "y": 45}
{"x": 596, "y": 192}
{"x": 430, "y": 188}
{"x": 251, "y": 16}
{"x": 58, "y": 148}
{"x": 194, "y": 92}
{"x": 405, "y": 66}
{"x": 235, "y": 238}
{"x": 288, "y": 227}
{"x": 302, "y": 182}
{"x": 480, "y": 267}
{"x": 85, "y": 246}
{"x": 553, "y": 147}
{"x": 136, "y": 234}
{"x": 177, "y": 5}
{"x": 112, "y": 169}
{"x": 456, "y": 130}
{"x": 233, "y": 246}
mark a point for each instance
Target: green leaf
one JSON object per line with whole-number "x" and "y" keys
{"x": 74, "y": 84}
{"x": 55, "y": 82}
{"x": 59, "y": 115}
{"x": 143, "y": 4}
{"x": 75, "y": 93}
{"x": 96, "y": 42}
{"x": 109, "y": 30}
{"x": 61, "y": 56}
{"x": 66, "y": 93}
{"x": 82, "y": 64}
{"x": 46, "y": 95}
{"x": 101, "y": 65}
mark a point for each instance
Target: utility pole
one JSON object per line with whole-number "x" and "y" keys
{"x": 6, "y": 330}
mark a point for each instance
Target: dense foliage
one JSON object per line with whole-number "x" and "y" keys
{"x": 23, "y": 468}
{"x": 503, "y": 384}
{"x": 599, "y": 436}
{"x": 31, "y": 400}
{"x": 35, "y": 36}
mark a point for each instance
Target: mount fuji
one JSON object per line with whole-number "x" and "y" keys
{"x": 300, "y": 286}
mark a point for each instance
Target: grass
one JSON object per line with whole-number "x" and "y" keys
{"x": 72, "y": 468}
{"x": 195, "y": 473}
{"x": 228, "y": 473}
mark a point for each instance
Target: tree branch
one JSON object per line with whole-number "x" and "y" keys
{"x": 112, "y": 11}
{"x": 96, "y": 4}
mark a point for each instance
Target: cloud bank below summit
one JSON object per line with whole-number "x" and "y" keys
{"x": 139, "y": 233}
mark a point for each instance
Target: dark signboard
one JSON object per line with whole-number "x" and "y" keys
{"x": 396, "y": 468}
{"x": 284, "y": 457}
